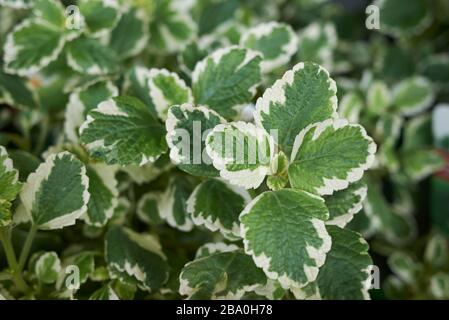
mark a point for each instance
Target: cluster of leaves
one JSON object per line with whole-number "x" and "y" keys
{"x": 424, "y": 277}
{"x": 96, "y": 94}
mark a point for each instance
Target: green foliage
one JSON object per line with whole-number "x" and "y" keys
{"x": 200, "y": 149}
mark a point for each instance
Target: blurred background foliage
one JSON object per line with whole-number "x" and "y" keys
{"x": 380, "y": 74}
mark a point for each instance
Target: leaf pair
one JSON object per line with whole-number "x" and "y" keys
{"x": 298, "y": 114}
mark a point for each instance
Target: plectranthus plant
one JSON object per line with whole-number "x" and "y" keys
{"x": 218, "y": 149}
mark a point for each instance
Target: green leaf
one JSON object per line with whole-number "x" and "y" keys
{"x": 104, "y": 293}
{"x": 404, "y": 266}
{"x": 436, "y": 253}
{"x": 285, "y": 233}
{"x": 276, "y": 41}
{"x": 135, "y": 258}
{"x": 48, "y": 267}
{"x": 413, "y": 95}
{"x": 279, "y": 166}
{"x": 418, "y": 132}
{"x": 351, "y": 105}
{"x": 439, "y": 286}
{"x": 16, "y": 92}
{"x": 217, "y": 205}
{"x": 317, "y": 43}
{"x": 103, "y": 194}
{"x": 89, "y": 56}
{"x": 31, "y": 46}
{"x": 50, "y": 11}
{"x": 394, "y": 227}
{"x": 378, "y": 98}
{"x": 130, "y": 35}
{"x": 241, "y": 152}
{"x": 305, "y": 95}
{"x": 344, "y": 204}
{"x": 436, "y": 68}
{"x": 210, "y": 248}
{"x": 9, "y": 187}
{"x": 363, "y": 224}
{"x": 157, "y": 88}
{"x": 216, "y": 14}
{"x": 346, "y": 272}
{"x": 192, "y": 53}
{"x": 167, "y": 89}
{"x": 388, "y": 129}
{"x": 136, "y": 84}
{"x": 420, "y": 163}
{"x": 148, "y": 209}
{"x": 186, "y": 129}
{"x": 137, "y": 138}
{"x": 172, "y": 26}
{"x": 56, "y": 194}
{"x": 223, "y": 275}
{"x": 9, "y": 177}
{"x": 83, "y": 100}
{"x": 173, "y": 203}
{"x": 5, "y": 213}
{"x": 150, "y": 171}
{"x": 227, "y": 79}
{"x": 399, "y": 20}
{"x": 100, "y": 16}
{"x": 329, "y": 155}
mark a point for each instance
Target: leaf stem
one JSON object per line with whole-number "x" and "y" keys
{"x": 27, "y": 246}
{"x": 40, "y": 144}
{"x": 5, "y": 239}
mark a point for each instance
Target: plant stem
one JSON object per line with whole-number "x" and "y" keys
{"x": 27, "y": 246}
{"x": 5, "y": 239}
{"x": 40, "y": 144}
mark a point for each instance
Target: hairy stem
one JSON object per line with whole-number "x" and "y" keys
{"x": 27, "y": 246}
{"x": 5, "y": 239}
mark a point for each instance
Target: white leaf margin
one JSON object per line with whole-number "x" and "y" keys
{"x": 287, "y": 50}
{"x": 317, "y": 254}
{"x": 40, "y": 263}
{"x": 216, "y": 57}
{"x": 186, "y": 290}
{"x": 109, "y": 107}
{"x": 75, "y": 109}
{"x": 342, "y": 220}
{"x": 215, "y": 225}
{"x": 152, "y": 195}
{"x": 107, "y": 174}
{"x": 417, "y": 108}
{"x": 248, "y": 179}
{"x": 334, "y": 184}
{"x": 166, "y": 206}
{"x": 171, "y": 127}
{"x": 8, "y": 164}
{"x": 276, "y": 93}
{"x": 214, "y": 247}
{"x": 35, "y": 180}
{"x": 159, "y": 100}
{"x": 11, "y": 50}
